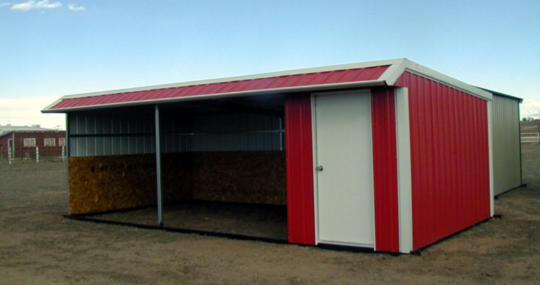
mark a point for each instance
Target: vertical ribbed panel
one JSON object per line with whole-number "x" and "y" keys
{"x": 300, "y": 191}
{"x": 96, "y": 133}
{"x": 236, "y": 132}
{"x": 175, "y": 132}
{"x": 506, "y": 145}
{"x": 123, "y": 133}
{"x": 385, "y": 169}
{"x": 449, "y": 157}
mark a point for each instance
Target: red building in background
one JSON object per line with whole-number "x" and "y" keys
{"x": 22, "y": 142}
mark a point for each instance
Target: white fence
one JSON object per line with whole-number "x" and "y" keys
{"x": 530, "y": 138}
{"x": 36, "y": 154}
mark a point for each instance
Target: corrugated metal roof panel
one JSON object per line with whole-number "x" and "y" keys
{"x": 277, "y": 82}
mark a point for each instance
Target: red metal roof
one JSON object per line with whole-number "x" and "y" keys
{"x": 269, "y": 83}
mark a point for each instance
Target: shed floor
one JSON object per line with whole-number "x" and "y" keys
{"x": 266, "y": 221}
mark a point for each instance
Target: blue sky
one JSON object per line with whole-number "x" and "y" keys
{"x": 53, "y": 48}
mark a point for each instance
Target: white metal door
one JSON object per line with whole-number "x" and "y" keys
{"x": 344, "y": 173}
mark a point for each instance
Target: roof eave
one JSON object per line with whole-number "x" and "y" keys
{"x": 6, "y": 133}
{"x": 369, "y": 64}
{"x": 369, "y": 83}
{"x": 421, "y": 70}
{"x": 502, "y": 94}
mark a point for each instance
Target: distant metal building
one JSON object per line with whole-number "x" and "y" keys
{"x": 387, "y": 155}
{"x": 507, "y": 168}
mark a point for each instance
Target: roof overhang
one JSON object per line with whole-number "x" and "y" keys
{"x": 520, "y": 100}
{"x": 358, "y": 75}
{"x": 370, "y": 83}
{"x": 409, "y": 66}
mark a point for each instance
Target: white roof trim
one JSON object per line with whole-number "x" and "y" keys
{"x": 54, "y": 103}
{"x": 437, "y": 76}
{"x": 392, "y": 74}
{"x": 396, "y": 68}
{"x": 240, "y": 78}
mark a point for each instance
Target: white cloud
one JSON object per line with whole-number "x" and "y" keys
{"x": 530, "y": 108}
{"x": 43, "y": 4}
{"x": 4, "y": 4}
{"x": 27, "y": 111}
{"x": 73, "y": 7}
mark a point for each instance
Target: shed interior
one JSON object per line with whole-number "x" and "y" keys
{"x": 222, "y": 164}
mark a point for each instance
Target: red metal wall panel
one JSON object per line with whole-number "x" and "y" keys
{"x": 385, "y": 169}
{"x": 299, "y": 153}
{"x": 310, "y": 79}
{"x": 449, "y": 159}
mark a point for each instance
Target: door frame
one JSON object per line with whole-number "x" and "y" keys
{"x": 366, "y": 92}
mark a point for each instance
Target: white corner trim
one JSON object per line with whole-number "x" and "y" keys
{"x": 392, "y": 74}
{"x": 490, "y": 145}
{"x": 403, "y": 144}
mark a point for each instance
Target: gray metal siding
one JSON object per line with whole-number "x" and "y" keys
{"x": 236, "y": 132}
{"x": 176, "y": 134}
{"x": 506, "y": 144}
{"x": 96, "y": 134}
{"x": 121, "y": 133}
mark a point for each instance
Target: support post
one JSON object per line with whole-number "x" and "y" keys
{"x": 37, "y": 154}
{"x": 67, "y": 153}
{"x": 158, "y": 167}
{"x": 280, "y": 134}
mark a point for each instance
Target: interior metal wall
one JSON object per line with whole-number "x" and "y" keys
{"x": 110, "y": 133}
{"x": 506, "y": 145}
{"x": 176, "y": 133}
{"x": 97, "y": 133}
{"x": 236, "y": 132}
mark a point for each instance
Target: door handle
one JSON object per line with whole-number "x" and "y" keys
{"x": 320, "y": 168}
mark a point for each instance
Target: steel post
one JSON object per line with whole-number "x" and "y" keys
{"x": 158, "y": 167}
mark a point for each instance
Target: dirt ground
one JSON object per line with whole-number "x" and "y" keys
{"x": 39, "y": 246}
{"x": 266, "y": 221}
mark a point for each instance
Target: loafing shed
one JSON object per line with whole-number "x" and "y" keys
{"x": 388, "y": 155}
